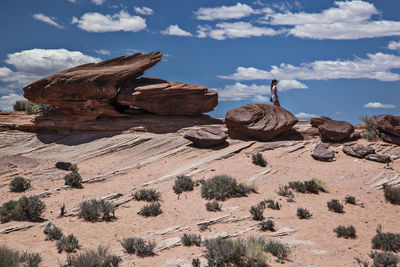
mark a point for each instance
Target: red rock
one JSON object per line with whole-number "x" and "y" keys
{"x": 260, "y": 121}
{"x": 335, "y": 130}
{"x": 378, "y": 158}
{"x": 389, "y": 124}
{"x": 317, "y": 121}
{"x": 206, "y": 137}
{"x": 358, "y": 151}
{"x": 168, "y": 98}
{"x": 322, "y": 153}
{"x": 390, "y": 138}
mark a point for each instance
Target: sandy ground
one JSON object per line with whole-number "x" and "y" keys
{"x": 312, "y": 244}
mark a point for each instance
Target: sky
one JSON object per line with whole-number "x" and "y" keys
{"x": 335, "y": 58}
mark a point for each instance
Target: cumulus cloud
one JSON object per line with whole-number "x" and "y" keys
{"x": 102, "y": 52}
{"x": 47, "y": 20}
{"x": 240, "y": 91}
{"x": 348, "y": 20}
{"x": 98, "y": 2}
{"x": 72, "y": 1}
{"x": 303, "y": 115}
{"x": 394, "y": 45}
{"x": 175, "y": 30}
{"x": 122, "y": 21}
{"x": 377, "y": 66}
{"x": 378, "y": 105}
{"x": 234, "y": 30}
{"x": 7, "y": 101}
{"x": 146, "y": 11}
{"x": 224, "y": 12}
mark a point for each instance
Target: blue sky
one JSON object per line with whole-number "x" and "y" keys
{"x": 335, "y": 58}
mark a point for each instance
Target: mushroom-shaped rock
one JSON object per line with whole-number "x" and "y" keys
{"x": 260, "y": 121}
{"x": 90, "y": 89}
{"x": 322, "y": 153}
{"x": 358, "y": 151}
{"x": 317, "y": 121}
{"x": 168, "y": 98}
{"x": 206, "y": 137}
{"x": 379, "y": 158}
{"x": 335, "y": 130}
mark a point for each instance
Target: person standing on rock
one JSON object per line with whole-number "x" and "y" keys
{"x": 274, "y": 93}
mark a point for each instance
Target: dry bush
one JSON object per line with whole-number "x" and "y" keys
{"x": 25, "y": 209}
{"x": 221, "y": 187}
{"x": 183, "y": 183}
{"x": 191, "y": 240}
{"x": 148, "y": 195}
{"x": 386, "y": 241}
{"x": 213, "y": 206}
{"x": 68, "y": 244}
{"x": 335, "y": 206}
{"x": 346, "y": 232}
{"x": 153, "y": 209}
{"x": 268, "y": 225}
{"x": 73, "y": 179}
{"x": 97, "y": 210}
{"x": 138, "y": 246}
{"x": 259, "y": 160}
{"x": 392, "y": 194}
{"x": 94, "y": 258}
{"x": 19, "y": 184}
{"x": 303, "y": 213}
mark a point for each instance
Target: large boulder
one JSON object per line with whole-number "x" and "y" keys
{"x": 322, "y": 153}
{"x": 317, "y": 121}
{"x": 168, "y": 98}
{"x": 358, "y": 151}
{"x": 389, "y": 128}
{"x": 335, "y": 130}
{"x": 206, "y": 137}
{"x": 260, "y": 121}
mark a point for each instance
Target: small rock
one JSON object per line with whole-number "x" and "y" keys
{"x": 206, "y": 137}
{"x": 379, "y": 158}
{"x": 50, "y": 226}
{"x": 322, "y": 153}
{"x": 358, "y": 151}
{"x": 63, "y": 165}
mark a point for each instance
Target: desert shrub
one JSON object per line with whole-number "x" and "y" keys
{"x": 392, "y": 194}
{"x": 153, "y": 209}
{"x": 384, "y": 259}
{"x": 285, "y": 191}
{"x": 213, "y": 206}
{"x": 196, "y": 262}
{"x": 386, "y": 241}
{"x": 346, "y": 232}
{"x": 19, "y": 184}
{"x": 350, "y": 200}
{"x": 321, "y": 185}
{"x": 25, "y": 209}
{"x": 68, "y": 244}
{"x": 91, "y": 210}
{"x": 138, "y": 246}
{"x": 9, "y": 257}
{"x": 335, "y": 206}
{"x": 62, "y": 211}
{"x": 221, "y": 187}
{"x": 257, "y": 212}
{"x": 73, "y": 179}
{"x": 183, "y": 183}
{"x": 268, "y": 225}
{"x": 94, "y": 258}
{"x": 54, "y": 233}
{"x": 271, "y": 204}
{"x": 31, "y": 107}
{"x": 277, "y": 249}
{"x": 203, "y": 227}
{"x": 258, "y": 159}
{"x": 191, "y": 240}
{"x": 303, "y": 213}
{"x": 199, "y": 182}
{"x": 30, "y": 259}
{"x": 371, "y": 127}
{"x": 148, "y": 195}
{"x": 310, "y": 186}
{"x": 20, "y": 105}
{"x": 73, "y": 168}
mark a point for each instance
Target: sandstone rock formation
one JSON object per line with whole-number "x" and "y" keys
{"x": 358, "y": 151}
{"x": 389, "y": 127}
{"x": 335, "y": 130}
{"x": 322, "y": 153}
{"x": 260, "y": 121}
{"x": 379, "y": 158}
{"x": 89, "y": 91}
{"x": 317, "y": 121}
{"x": 206, "y": 137}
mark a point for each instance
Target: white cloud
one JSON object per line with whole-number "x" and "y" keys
{"x": 377, "y": 66}
{"x": 98, "y": 2}
{"x": 47, "y": 20}
{"x": 240, "y": 91}
{"x": 7, "y": 102}
{"x": 224, "y": 12}
{"x": 234, "y": 30}
{"x": 378, "y": 105}
{"x": 122, "y": 21}
{"x": 394, "y": 45}
{"x": 146, "y": 11}
{"x": 303, "y": 115}
{"x": 348, "y": 20}
{"x": 72, "y": 1}
{"x": 175, "y": 30}
{"x": 102, "y": 52}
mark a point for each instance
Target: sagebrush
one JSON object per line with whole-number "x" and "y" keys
{"x": 153, "y": 209}
{"x": 19, "y": 184}
{"x": 96, "y": 210}
{"x": 68, "y": 244}
{"x": 138, "y": 246}
{"x": 148, "y": 195}
{"x": 25, "y": 209}
{"x": 386, "y": 241}
{"x": 221, "y": 187}
{"x": 335, "y": 206}
{"x": 303, "y": 213}
{"x": 259, "y": 160}
{"x": 191, "y": 240}
{"x": 346, "y": 232}
{"x": 392, "y": 194}
{"x": 183, "y": 183}
{"x": 94, "y": 258}
{"x": 213, "y": 206}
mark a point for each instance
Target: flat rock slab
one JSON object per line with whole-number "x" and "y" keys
{"x": 335, "y": 130}
{"x": 389, "y": 124}
{"x": 206, "y": 137}
{"x": 358, "y": 151}
{"x": 322, "y": 153}
{"x": 378, "y": 158}
{"x": 259, "y": 121}
{"x": 317, "y": 121}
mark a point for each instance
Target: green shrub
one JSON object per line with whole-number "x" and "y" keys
{"x": 392, "y": 194}
{"x": 153, "y": 209}
{"x": 68, "y": 244}
{"x": 203, "y": 227}
{"x": 30, "y": 259}
{"x": 25, "y": 209}
{"x": 191, "y": 240}
{"x": 271, "y": 204}
{"x": 350, "y": 200}
{"x": 73, "y": 168}
{"x": 386, "y": 241}
{"x": 311, "y": 186}
{"x": 257, "y": 212}
{"x": 285, "y": 191}
{"x": 371, "y": 127}
{"x": 258, "y": 159}
{"x": 335, "y": 206}
{"x": 213, "y": 206}
{"x": 346, "y": 232}
{"x": 54, "y": 233}
{"x": 138, "y": 246}
{"x": 384, "y": 259}
{"x": 19, "y": 184}
{"x": 277, "y": 249}
{"x": 183, "y": 184}
{"x": 31, "y": 107}
{"x": 94, "y": 258}
{"x": 221, "y": 187}
{"x": 268, "y": 225}
{"x": 91, "y": 210}
{"x": 9, "y": 257}
{"x": 73, "y": 179}
{"x": 148, "y": 195}
{"x": 196, "y": 262}
{"x": 303, "y": 213}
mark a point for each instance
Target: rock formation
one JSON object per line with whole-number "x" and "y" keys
{"x": 89, "y": 91}
{"x": 378, "y": 158}
{"x": 389, "y": 128}
{"x": 322, "y": 153}
{"x": 317, "y": 121}
{"x": 206, "y": 137}
{"x": 358, "y": 151}
{"x": 260, "y": 121}
{"x": 335, "y": 130}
